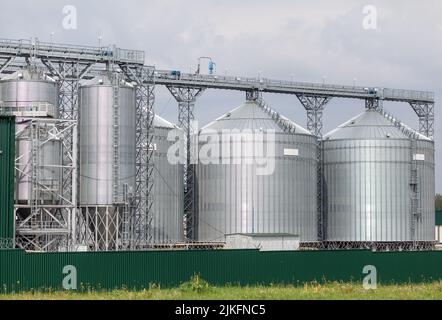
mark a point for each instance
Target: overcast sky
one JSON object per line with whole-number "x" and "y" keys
{"x": 304, "y": 40}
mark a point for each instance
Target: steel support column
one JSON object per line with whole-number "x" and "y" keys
{"x": 186, "y": 98}
{"x": 315, "y": 105}
{"x": 137, "y": 231}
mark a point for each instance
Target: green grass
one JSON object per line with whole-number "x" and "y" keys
{"x": 197, "y": 289}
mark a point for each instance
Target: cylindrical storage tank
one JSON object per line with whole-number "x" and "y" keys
{"x": 101, "y": 131}
{"x": 107, "y": 138}
{"x": 368, "y": 178}
{"x": 168, "y": 176}
{"x": 30, "y": 94}
{"x": 264, "y": 178}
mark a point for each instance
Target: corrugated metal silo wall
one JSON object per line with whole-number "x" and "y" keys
{"x": 96, "y": 129}
{"x": 426, "y": 181}
{"x": 136, "y": 270}
{"x": 7, "y": 163}
{"x": 367, "y": 190}
{"x": 167, "y": 222}
{"x": 233, "y": 198}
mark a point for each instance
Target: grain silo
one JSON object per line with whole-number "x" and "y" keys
{"x": 167, "y": 220}
{"x": 379, "y": 181}
{"x": 263, "y": 181}
{"x": 32, "y": 98}
{"x": 107, "y": 158}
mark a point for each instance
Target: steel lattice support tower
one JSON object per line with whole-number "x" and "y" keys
{"x": 186, "y": 98}
{"x": 68, "y": 76}
{"x": 138, "y": 234}
{"x": 425, "y": 112}
{"x": 49, "y": 225}
{"x": 314, "y": 105}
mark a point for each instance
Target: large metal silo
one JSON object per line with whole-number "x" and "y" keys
{"x": 167, "y": 220}
{"x": 379, "y": 181}
{"x": 31, "y": 96}
{"x": 107, "y": 157}
{"x": 237, "y": 195}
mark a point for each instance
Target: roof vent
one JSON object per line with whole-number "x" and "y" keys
{"x": 388, "y": 135}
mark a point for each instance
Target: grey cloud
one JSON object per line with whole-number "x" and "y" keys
{"x": 303, "y": 39}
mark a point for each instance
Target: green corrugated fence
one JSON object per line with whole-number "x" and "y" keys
{"x": 136, "y": 270}
{"x": 7, "y": 159}
{"x": 438, "y": 218}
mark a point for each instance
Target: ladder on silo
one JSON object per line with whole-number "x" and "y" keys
{"x": 35, "y": 194}
{"x": 415, "y": 210}
{"x": 281, "y": 121}
{"x": 116, "y": 142}
{"x": 126, "y": 221}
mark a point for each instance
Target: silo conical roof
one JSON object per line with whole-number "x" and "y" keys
{"x": 370, "y": 124}
{"x": 250, "y": 115}
{"x": 24, "y": 74}
{"x": 98, "y": 80}
{"x": 160, "y": 122}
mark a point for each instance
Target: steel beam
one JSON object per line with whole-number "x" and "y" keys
{"x": 188, "y": 80}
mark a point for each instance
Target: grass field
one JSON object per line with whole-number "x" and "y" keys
{"x": 198, "y": 289}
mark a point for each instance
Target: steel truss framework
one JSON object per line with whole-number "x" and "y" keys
{"x": 186, "y": 98}
{"x": 425, "y": 112}
{"x": 43, "y": 224}
{"x": 136, "y": 230}
{"x": 68, "y": 65}
{"x": 99, "y": 228}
